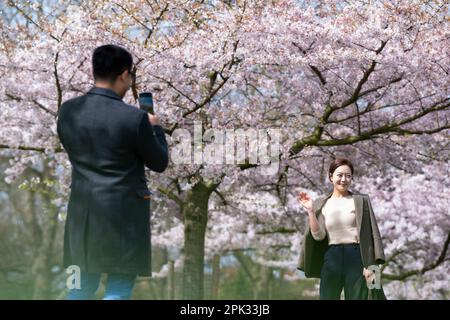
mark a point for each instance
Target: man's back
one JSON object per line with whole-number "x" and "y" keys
{"x": 108, "y": 143}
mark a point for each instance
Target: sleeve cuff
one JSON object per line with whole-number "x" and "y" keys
{"x": 158, "y": 129}
{"x": 319, "y": 235}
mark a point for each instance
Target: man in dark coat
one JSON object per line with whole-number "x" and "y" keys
{"x": 109, "y": 143}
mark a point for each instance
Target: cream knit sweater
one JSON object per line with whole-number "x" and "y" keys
{"x": 338, "y": 221}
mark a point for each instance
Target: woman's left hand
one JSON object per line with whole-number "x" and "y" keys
{"x": 369, "y": 275}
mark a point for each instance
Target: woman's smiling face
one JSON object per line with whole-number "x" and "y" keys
{"x": 342, "y": 178}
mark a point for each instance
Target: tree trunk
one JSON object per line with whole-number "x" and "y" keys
{"x": 40, "y": 269}
{"x": 159, "y": 259}
{"x": 263, "y": 285}
{"x": 171, "y": 281}
{"x": 215, "y": 277}
{"x": 195, "y": 214}
{"x": 260, "y": 276}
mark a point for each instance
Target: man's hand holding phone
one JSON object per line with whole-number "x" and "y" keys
{"x": 146, "y": 104}
{"x": 154, "y": 120}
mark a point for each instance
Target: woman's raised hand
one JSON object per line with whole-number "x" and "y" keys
{"x": 305, "y": 201}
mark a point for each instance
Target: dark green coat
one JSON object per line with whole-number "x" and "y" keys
{"x": 109, "y": 143}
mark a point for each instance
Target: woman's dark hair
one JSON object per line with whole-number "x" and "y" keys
{"x": 109, "y": 61}
{"x": 337, "y": 163}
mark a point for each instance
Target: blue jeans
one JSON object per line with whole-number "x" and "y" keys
{"x": 118, "y": 287}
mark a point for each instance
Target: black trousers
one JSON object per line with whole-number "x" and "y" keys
{"x": 343, "y": 269}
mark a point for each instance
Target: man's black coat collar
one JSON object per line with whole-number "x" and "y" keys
{"x": 105, "y": 92}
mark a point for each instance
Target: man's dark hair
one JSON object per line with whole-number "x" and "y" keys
{"x": 109, "y": 61}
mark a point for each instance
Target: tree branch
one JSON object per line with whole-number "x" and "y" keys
{"x": 58, "y": 84}
{"x": 316, "y": 70}
{"x": 40, "y": 105}
{"x": 224, "y": 201}
{"x": 171, "y": 196}
{"x": 363, "y": 80}
{"x": 430, "y": 267}
{"x": 30, "y": 19}
{"x": 245, "y": 263}
{"x": 158, "y": 19}
{"x": 29, "y": 148}
{"x": 389, "y": 128}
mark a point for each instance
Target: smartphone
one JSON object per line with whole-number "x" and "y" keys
{"x": 146, "y": 102}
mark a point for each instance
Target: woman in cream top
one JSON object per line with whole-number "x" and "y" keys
{"x": 336, "y": 220}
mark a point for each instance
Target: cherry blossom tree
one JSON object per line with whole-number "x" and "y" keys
{"x": 368, "y": 81}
